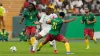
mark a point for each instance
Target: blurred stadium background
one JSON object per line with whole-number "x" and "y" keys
{"x": 14, "y": 8}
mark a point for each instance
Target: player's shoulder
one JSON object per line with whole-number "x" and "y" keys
{"x": 36, "y": 11}
{"x": 57, "y": 19}
{"x": 25, "y": 10}
{"x": 91, "y": 13}
{"x": 43, "y": 14}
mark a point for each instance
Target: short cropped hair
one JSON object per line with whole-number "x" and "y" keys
{"x": 62, "y": 14}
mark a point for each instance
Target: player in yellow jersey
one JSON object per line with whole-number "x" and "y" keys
{"x": 2, "y": 11}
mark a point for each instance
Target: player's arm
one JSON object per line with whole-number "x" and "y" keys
{"x": 90, "y": 22}
{"x": 82, "y": 21}
{"x": 94, "y": 21}
{"x": 37, "y": 15}
{"x": 38, "y": 23}
{"x": 21, "y": 20}
{"x": 23, "y": 17}
{"x": 66, "y": 21}
{"x": 49, "y": 21}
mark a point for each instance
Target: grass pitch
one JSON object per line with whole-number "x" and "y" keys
{"x": 77, "y": 47}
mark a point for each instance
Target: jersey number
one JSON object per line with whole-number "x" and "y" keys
{"x": 54, "y": 25}
{"x": 30, "y": 17}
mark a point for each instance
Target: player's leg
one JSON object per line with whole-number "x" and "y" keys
{"x": 40, "y": 35}
{"x": 33, "y": 32}
{"x": 42, "y": 44}
{"x": 54, "y": 46}
{"x": 86, "y": 32}
{"x": 28, "y": 34}
{"x": 2, "y": 21}
{"x": 65, "y": 41}
{"x": 48, "y": 38}
{"x": 32, "y": 37}
{"x": 51, "y": 43}
{"x": 91, "y": 34}
{"x": 36, "y": 42}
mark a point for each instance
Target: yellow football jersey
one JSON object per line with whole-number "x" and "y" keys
{"x": 2, "y": 11}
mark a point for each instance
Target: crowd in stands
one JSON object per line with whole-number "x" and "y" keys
{"x": 67, "y": 6}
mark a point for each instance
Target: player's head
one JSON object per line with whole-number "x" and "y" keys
{"x": 31, "y": 6}
{"x": 52, "y": 10}
{"x": 61, "y": 14}
{"x": 47, "y": 10}
{"x": 86, "y": 10}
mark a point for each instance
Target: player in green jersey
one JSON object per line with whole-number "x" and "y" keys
{"x": 54, "y": 33}
{"x": 29, "y": 16}
{"x": 88, "y": 19}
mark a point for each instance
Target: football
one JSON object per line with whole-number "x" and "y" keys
{"x": 13, "y": 49}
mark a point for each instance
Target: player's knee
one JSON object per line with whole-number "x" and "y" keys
{"x": 91, "y": 38}
{"x": 44, "y": 42}
{"x": 39, "y": 37}
{"x": 86, "y": 36}
{"x": 33, "y": 34}
{"x": 64, "y": 40}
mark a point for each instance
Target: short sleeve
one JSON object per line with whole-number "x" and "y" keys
{"x": 41, "y": 20}
{"x": 83, "y": 18}
{"x": 36, "y": 12}
{"x": 93, "y": 16}
{"x": 24, "y": 13}
{"x": 4, "y": 10}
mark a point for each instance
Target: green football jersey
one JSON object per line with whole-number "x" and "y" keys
{"x": 89, "y": 17}
{"x": 30, "y": 17}
{"x": 56, "y": 26}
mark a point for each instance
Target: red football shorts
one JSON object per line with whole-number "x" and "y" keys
{"x": 50, "y": 37}
{"x": 30, "y": 30}
{"x": 89, "y": 32}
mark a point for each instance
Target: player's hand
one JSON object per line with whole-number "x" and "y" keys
{"x": 89, "y": 22}
{"x": 35, "y": 22}
{"x": 82, "y": 22}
